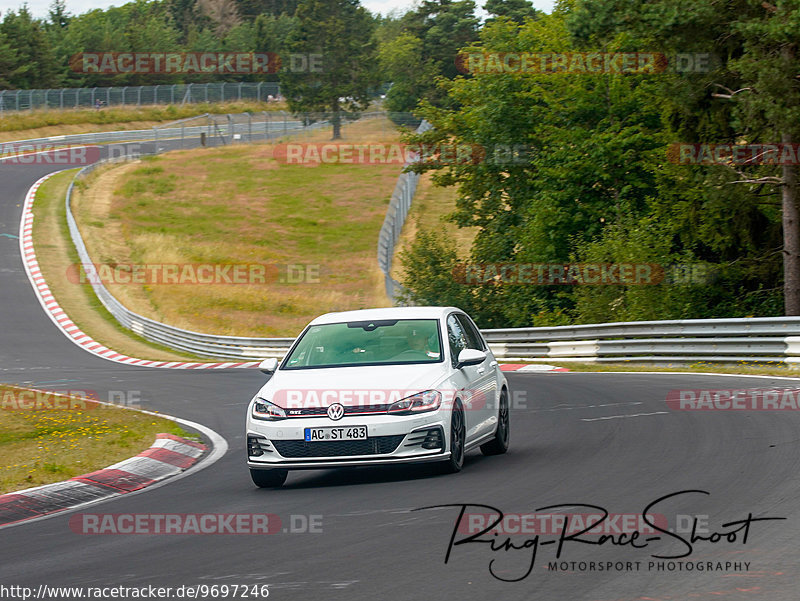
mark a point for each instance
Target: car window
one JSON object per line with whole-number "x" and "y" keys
{"x": 455, "y": 337}
{"x": 374, "y": 342}
{"x": 473, "y": 338}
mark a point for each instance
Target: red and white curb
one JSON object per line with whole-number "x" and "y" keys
{"x": 169, "y": 456}
{"x": 62, "y": 320}
{"x": 530, "y": 367}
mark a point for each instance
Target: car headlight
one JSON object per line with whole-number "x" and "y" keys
{"x": 268, "y": 411}
{"x": 430, "y": 400}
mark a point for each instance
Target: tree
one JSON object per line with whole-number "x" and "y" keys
{"x": 59, "y": 16}
{"x": 402, "y": 62}
{"x": 36, "y": 66}
{"x": 752, "y": 95}
{"x": 516, "y": 10}
{"x": 340, "y": 32}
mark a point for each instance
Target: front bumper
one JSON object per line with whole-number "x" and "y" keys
{"x": 287, "y": 436}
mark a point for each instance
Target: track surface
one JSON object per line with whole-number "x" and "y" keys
{"x": 372, "y": 546}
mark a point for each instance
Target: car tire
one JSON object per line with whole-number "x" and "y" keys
{"x": 499, "y": 444}
{"x": 269, "y": 478}
{"x": 458, "y": 435}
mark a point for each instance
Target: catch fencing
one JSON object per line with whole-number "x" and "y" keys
{"x": 190, "y": 93}
{"x": 396, "y": 214}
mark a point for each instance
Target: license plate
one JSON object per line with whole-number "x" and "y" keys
{"x": 338, "y": 433}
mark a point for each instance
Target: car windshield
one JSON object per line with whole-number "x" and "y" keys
{"x": 375, "y": 342}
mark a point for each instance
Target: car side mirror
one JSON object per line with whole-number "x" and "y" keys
{"x": 268, "y": 366}
{"x": 470, "y": 356}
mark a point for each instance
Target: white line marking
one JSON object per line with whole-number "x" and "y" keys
{"x": 597, "y": 419}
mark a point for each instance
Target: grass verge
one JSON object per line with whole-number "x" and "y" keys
{"x": 42, "y": 446}
{"x": 237, "y": 205}
{"x": 745, "y": 369}
{"x": 429, "y": 211}
{"x": 56, "y": 253}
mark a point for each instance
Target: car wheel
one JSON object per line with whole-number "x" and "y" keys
{"x": 269, "y": 478}
{"x": 458, "y": 435}
{"x": 499, "y": 444}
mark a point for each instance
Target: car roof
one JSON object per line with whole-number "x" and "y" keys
{"x": 386, "y": 313}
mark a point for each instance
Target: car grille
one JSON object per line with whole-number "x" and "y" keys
{"x": 354, "y": 410}
{"x": 377, "y": 445}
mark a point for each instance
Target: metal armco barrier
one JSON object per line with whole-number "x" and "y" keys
{"x": 750, "y": 339}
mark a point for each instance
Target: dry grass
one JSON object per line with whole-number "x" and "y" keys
{"x": 41, "y": 446}
{"x": 46, "y": 122}
{"x": 56, "y": 255}
{"x": 237, "y": 205}
{"x": 431, "y": 206}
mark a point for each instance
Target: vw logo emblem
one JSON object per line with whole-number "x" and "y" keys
{"x": 336, "y": 411}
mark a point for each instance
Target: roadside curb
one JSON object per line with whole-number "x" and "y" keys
{"x": 167, "y": 457}
{"x": 62, "y": 321}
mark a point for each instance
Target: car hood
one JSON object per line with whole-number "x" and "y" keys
{"x": 351, "y": 385}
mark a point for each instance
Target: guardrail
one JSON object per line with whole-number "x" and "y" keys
{"x": 757, "y": 339}
{"x": 396, "y": 214}
{"x": 271, "y": 124}
{"x": 753, "y": 339}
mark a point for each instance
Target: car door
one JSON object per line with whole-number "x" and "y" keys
{"x": 467, "y": 379}
{"x": 485, "y": 383}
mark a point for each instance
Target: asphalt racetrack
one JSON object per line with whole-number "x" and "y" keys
{"x": 607, "y": 440}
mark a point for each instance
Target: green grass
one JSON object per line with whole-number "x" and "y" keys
{"x": 41, "y": 446}
{"x": 237, "y": 205}
{"x": 762, "y": 369}
{"x": 55, "y": 252}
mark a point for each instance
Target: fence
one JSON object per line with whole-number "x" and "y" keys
{"x": 392, "y": 227}
{"x": 64, "y": 98}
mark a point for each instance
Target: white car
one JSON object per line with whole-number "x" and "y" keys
{"x": 377, "y": 387}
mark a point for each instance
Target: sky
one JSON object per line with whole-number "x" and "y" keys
{"x": 39, "y": 7}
